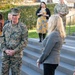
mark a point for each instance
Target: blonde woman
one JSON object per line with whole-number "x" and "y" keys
{"x": 50, "y": 56}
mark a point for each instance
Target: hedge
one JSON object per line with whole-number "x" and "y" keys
{"x": 6, "y": 6}
{"x": 28, "y": 14}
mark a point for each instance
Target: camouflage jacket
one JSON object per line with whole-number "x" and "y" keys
{"x": 63, "y": 8}
{"x": 15, "y": 38}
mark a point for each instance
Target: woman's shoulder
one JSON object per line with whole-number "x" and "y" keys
{"x": 38, "y": 9}
{"x": 47, "y": 9}
{"x": 54, "y": 32}
{"x": 55, "y": 35}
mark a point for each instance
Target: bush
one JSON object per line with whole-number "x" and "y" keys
{"x": 6, "y": 6}
{"x": 28, "y": 14}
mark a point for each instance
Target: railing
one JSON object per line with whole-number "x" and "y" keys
{"x": 70, "y": 24}
{"x": 70, "y": 27}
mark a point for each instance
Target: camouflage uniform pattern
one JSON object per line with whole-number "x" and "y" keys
{"x": 62, "y": 8}
{"x": 13, "y": 62}
{"x": 15, "y": 38}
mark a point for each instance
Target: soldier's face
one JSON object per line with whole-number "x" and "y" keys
{"x": 15, "y": 19}
{"x": 9, "y": 17}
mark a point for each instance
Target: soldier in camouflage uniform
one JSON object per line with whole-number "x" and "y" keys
{"x": 15, "y": 36}
{"x": 62, "y": 10}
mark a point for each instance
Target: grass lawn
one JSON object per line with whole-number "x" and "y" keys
{"x": 32, "y": 33}
{"x": 69, "y": 31}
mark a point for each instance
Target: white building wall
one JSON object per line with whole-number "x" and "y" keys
{"x": 44, "y": 1}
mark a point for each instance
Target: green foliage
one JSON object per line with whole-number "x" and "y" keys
{"x": 28, "y": 14}
{"x": 6, "y": 6}
{"x": 70, "y": 29}
{"x": 32, "y": 34}
{"x": 10, "y": 1}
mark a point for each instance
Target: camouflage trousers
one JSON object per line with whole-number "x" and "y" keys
{"x": 13, "y": 63}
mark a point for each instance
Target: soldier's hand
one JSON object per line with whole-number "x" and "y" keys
{"x": 12, "y": 52}
{"x": 62, "y": 14}
{"x": 7, "y": 52}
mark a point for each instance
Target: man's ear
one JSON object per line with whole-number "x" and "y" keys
{"x": 19, "y": 16}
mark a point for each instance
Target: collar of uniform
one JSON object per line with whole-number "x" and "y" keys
{"x": 14, "y": 24}
{"x": 62, "y": 4}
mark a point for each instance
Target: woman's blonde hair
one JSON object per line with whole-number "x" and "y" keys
{"x": 55, "y": 23}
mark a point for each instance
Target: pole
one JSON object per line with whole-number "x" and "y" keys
{"x": 74, "y": 5}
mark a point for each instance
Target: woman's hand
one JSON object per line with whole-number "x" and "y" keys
{"x": 40, "y": 13}
{"x": 45, "y": 15}
{"x": 74, "y": 72}
{"x": 38, "y": 64}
